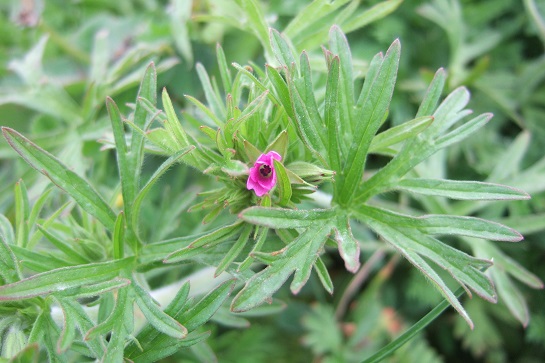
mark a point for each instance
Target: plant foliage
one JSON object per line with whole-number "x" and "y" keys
{"x": 141, "y": 237}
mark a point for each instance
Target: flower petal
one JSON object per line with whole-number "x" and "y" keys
{"x": 259, "y": 183}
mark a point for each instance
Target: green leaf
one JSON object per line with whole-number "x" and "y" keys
{"x": 155, "y": 347}
{"x": 433, "y": 94}
{"x": 260, "y": 236}
{"x": 68, "y": 332}
{"x": 504, "y": 269}
{"x": 118, "y": 131}
{"x": 9, "y": 266}
{"x": 22, "y": 212}
{"x": 525, "y": 224}
{"x": 129, "y": 171}
{"x": 130, "y": 163}
{"x": 376, "y": 12}
{"x": 508, "y": 163}
{"x": 120, "y": 324}
{"x": 511, "y": 296}
{"x": 38, "y": 327}
{"x": 148, "y": 334}
{"x": 13, "y": 339}
{"x": 251, "y": 151}
{"x": 212, "y": 97}
{"x": 349, "y": 247}
{"x": 235, "y": 250}
{"x": 232, "y": 125}
{"x": 417, "y": 149}
{"x": 450, "y": 111}
{"x": 118, "y": 237}
{"x": 211, "y": 239}
{"x": 281, "y": 90}
{"x": 506, "y": 263}
{"x": 63, "y": 246}
{"x": 344, "y": 97}
{"x": 282, "y": 49}
{"x": 266, "y": 258}
{"x": 165, "y": 166}
{"x": 259, "y": 85}
{"x": 307, "y": 118}
{"x": 371, "y": 115}
{"x": 286, "y": 218}
{"x": 321, "y": 270}
{"x": 62, "y": 279}
{"x": 235, "y": 168}
{"x": 224, "y": 69}
{"x": 256, "y": 22}
{"x": 462, "y": 132}
{"x": 466, "y": 226}
{"x": 208, "y": 112}
{"x": 280, "y": 145}
{"x": 6, "y": 230}
{"x": 163, "y": 140}
{"x": 299, "y": 256}
{"x": 462, "y": 190}
{"x": 273, "y": 307}
{"x": 93, "y": 290}
{"x": 36, "y": 210}
{"x": 74, "y": 312}
{"x": 155, "y": 316}
{"x": 372, "y": 72}
{"x": 50, "y": 332}
{"x": 448, "y": 225}
{"x": 37, "y": 261}
{"x": 108, "y": 311}
{"x": 202, "y": 311}
{"x": 331, "y": 116}
{"x": 399, "y": 133}
{"x": 30, "y": 354}
{"x": 164, "y": 349}
{"x": 200, "y": 159}
{"x": 313, "y": 12}
{"x": 391, "y": 235}
{"x": 48, "y": 222}
{"x": 283, "y": 185}
{"x": 309, "y": 171}
{"x": 64, "y": 178}
{"x": 172, "y": 124}
{"x": 224, "y": 317}
{"x": 414, "y": 245}
{"x": 208, "y": 131}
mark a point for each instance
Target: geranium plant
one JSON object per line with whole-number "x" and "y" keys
{"x": 286, "y": 149}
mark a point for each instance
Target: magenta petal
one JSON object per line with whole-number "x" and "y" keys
{"x": 275, "y": 156}
{"x": 252, "y": 182}
{"x": 259, "y": 191}
{"x": 268, "y": 157}
{"x": 261, "y": 184}
{"x": 267, "y": 183}
{"x": 256, "y": 186}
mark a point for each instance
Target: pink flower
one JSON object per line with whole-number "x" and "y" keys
{"x": 262, "y": 175}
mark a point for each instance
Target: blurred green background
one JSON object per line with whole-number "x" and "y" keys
{"x": 59, "y": 59}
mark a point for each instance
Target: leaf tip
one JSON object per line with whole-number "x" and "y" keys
{"x": 7, "y": 132}
{"x": 394, "y": 47}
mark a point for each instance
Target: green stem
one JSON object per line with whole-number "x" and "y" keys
{"x": 414, "y": 330}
